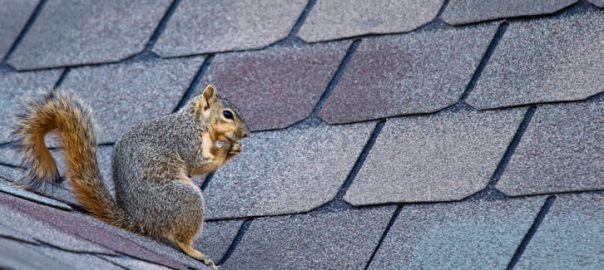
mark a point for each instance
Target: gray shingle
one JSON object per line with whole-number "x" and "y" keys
{"x": 77, "y": 260}
{"x": 561, "y": 150}
{"x": 342, "y": 240}
{"x": 134, "y": 264}
{"x": 16, "y": 86}
{"x": 407, "y": 74}
{"x": 286, "y": 171}
{"x": 599, "y": 3}
{"x": 9, "y": 155}
{"x": 17, "y": 255}
{"x": 434, "y": 158}
{"x": 216, "y": 238}
{"x": 555, "y": 59}
{"x": 471, "y": 11}
{"x": 337, "y": 19}
{"x": 41, "y": 231}
{"x": 571, "y": 235}
{"x": 468, "y": 235}
{"x": 9, "y": 188}
{"x": 276, "y": 87}
{"x": 213, "y": 26}
{"x": 165, "y": 249}
{"x": 13, "y": 17}
{"x": 125, "y": 94}
{"x": 81, "y": 32}
{"x": 86, "y": 227}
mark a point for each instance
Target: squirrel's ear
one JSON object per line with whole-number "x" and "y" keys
{"x": 209, "y": 94}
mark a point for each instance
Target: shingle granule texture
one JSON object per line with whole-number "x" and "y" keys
{"x": 547, "y": 60}
{"x": 407, "y": 74}
{"x": 82, "y": 32}
{"x": 336, "y": 19}
{"x": 561, "y": 150}
{"x": 215, "y": 26}
{"x": 571, "y": 235}
{"x": 434, "y": 158}
{"x": 471, "y": 11}
{"x": 467, "y": 235}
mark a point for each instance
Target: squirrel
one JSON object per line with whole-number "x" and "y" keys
{"x": 152, "y": 163}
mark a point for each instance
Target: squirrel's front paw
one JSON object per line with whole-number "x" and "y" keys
{"x": 235, "y": 149}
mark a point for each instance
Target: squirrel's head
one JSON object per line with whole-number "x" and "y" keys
{"x": 222, "y": 116}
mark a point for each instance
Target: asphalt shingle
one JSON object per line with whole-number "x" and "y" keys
{"x": 337, "y": 19}
{"x": 123, "y": 95}
{"x": 342, "y": 240}
{"x": 571, "y": 235}
{"x": 77, "y": 260}
{"x": 471, "y": 11}
{"x": 17, "y": 220}
{"x": 16, "y": 86}
{"x": 9, "y": 188}
{"x": 213, "y": 26}
{"x": 85, "y": 228}
{"x": 554, "y": 59}
{"x": 134, "y": 264}
{"x": 561, "y": 150}
{"x": 82, "y": 32}
{"x": 17, "y": 255}
{"x": 434, "y": 158}
{"x": 277, "y": 87}
{"x": 216, "y": 238}
{"x": 468, "y": 235}
{"x": 13, "y": 17}
{"x": 286, "y": 171}
{"x": 50, "y": 190}
{"x": 407, "y": 74}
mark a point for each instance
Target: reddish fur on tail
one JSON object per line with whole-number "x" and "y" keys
{"x": 73, "y": 121}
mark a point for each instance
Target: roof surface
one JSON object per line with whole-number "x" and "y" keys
{"x": 459, "y": 134}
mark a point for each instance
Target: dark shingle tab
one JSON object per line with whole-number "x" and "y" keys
{"x": 468, "y": 235}
{"x": 407, "y": 74}
{"x": 213, "y": 26}
{"x": 561, "y": 150}
{"x": 123, "y": 95}
{"x": 571, "y": 235}
{"x": 342, "y": 240}
{"x": 434, "y": 158}
{"x": 13, "y": 17}
{"x": 277, "y": 87}
{"x": 471, "y": 11}
{"x": 336, "y": 19}
{"x": 83, "y": 32}
{"x": 287, "y": 171}
{"x": 547, "y": 60}
{"x": 15, "y": 86}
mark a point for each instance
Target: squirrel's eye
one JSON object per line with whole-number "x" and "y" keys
{"x": 227, "y": 114}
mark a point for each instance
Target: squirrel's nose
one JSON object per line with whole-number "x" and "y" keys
{"x": 244, "y": 135}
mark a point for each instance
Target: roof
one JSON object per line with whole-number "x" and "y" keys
{"x": 388, "y": 134}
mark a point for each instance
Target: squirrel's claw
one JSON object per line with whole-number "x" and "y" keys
{"x": 235, "y": 149}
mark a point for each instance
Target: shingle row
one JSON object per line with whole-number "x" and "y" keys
{"x": 67, "y": 33}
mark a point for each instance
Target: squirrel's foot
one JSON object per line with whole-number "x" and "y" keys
{"x": 189, "y": 250}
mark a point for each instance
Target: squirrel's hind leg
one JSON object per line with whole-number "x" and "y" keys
{"x": 187, "y": 247}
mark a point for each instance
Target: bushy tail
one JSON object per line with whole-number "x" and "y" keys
{"x": 73, "y": 121}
